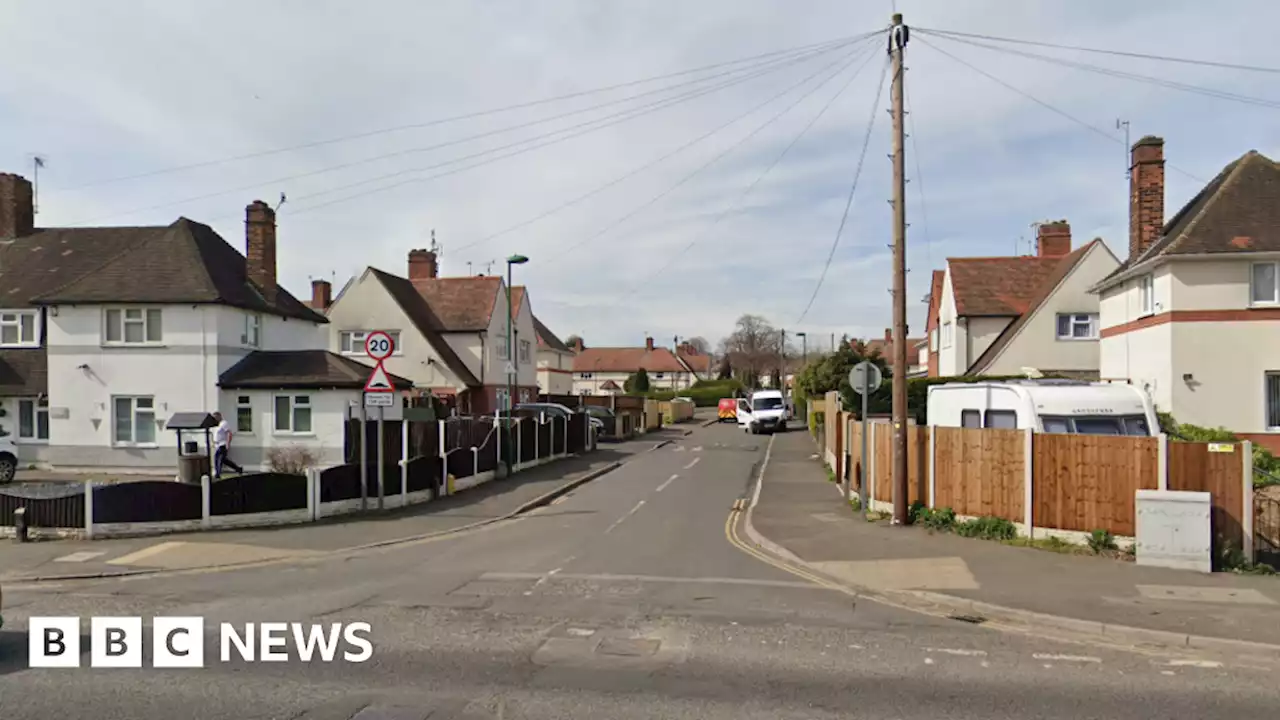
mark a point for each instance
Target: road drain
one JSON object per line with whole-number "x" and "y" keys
{"x": 971, "y": 619}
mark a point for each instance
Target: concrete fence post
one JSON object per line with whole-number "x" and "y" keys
{"x": 443, "y": 488}
{"x": 870, "y": 466}
{"x": 933, "y": 477}
{"x": 313, "y": 492}
{"x": 1162, "y": 462}
{"x": 1247, "y": 515}
{"x": 498, "y": 430}
{"x": 205, "y": 503}
{"x": 1028, "y": 480}
{"x": 88, "y": 509}
{"x": 475, "y": 461}
{"x": 404, "y": 463}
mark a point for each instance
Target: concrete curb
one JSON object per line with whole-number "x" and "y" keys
{"x": 712, "y": 421}
{"x": 1014, "y": 618}
{"x": 537, "y": 502}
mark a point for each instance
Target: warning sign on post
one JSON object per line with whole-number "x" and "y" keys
{"x": 379, "y": 381}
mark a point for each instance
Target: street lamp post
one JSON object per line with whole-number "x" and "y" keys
{"x": 511, "y": 351}
{"x": 804, "y": 348}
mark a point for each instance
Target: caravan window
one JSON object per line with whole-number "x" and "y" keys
{"x": 970, "y": 419}
{"x": 1002, "y": 419}
{"x": 1056, "y": 424}
{"x": 1131, "y": 425}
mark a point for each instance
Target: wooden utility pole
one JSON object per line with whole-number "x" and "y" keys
{"x": 897, "y": 47}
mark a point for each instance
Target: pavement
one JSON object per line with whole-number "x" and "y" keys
{"x": 803, "y": 516}
{"x": 625, "y": 598}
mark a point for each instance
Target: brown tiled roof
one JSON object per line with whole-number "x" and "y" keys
{"x": 548, "y": 339}
{"x": 1238, "y": 211}
{"x": 23, "y": 371}
{"x": 517, "y": 297}
{"x": 626, "y": 360}
{"x": 700, "y": 364}
{"x": 1064, "y": 266}
{"x": 998, "y": 286}
{"x": 423, "y": 317}
{"x": 186, "y": 262}
{"x": 463, "y": 304}
{"x": 885, "y": 347}
{"x": 311, "y": 369}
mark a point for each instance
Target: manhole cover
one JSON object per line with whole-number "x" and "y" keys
{"x": 628, "y": 647}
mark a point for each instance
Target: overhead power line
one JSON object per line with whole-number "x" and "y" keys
{"x": 763, "y": 69}
{"x": 629, "y": 174}
{"x": 1136, "y": 77}
{"x": 1088, "y": 126}
{"x": 751, "y": 187}
{"x": 853, "y": 187}
{"x": 656, "y": 198}
{"x": 1119, "y": 53}
{"x": 457, "y": 118}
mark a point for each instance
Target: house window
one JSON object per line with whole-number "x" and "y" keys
{"x": 657, "y": 376}
{"x": 970, "y": 419}
{"x": 933, "y": 340}
{"x": 524, "y": 352}
{"x": 584, "y": 376}
{"x": 946, "y": 334}
{"x": 33, "y": 419}
{"x": 244, "y": 414}
{"x": 132, "y": 326}
{"x": 501, "y": 397}
{"x": 1273, "y": 400}
{"x": 293, "y": 414}
{"x": 134, "y": 420}
{"x": 351, "y": 342}
{"x": 1264, "y": 284}
{"x": 252, "y": 335}
{"x": 18, "y": 329}
{"x": 1077, "y": 326}
{"x": 501, "y": 347}
{"x": 1147, "y": 294}
{"x": 1002, "y": 419}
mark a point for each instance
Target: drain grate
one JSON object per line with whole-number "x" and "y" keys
{"x": 971, "y": 619}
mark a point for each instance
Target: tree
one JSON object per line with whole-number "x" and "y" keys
{"x": 699, "y": 344}
{"x": 637, "y": 383}
{"x": 752, "y": 348}
{"x": 573, "y": 340}
{"x": 831, "y": 372}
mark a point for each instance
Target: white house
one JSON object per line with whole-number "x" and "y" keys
{"x": 107, "y": 332}
{"x": 555, "y": 362}
{"x": 1193, "y": 315}
{"x": 604, "y": 371}
{"x": 999, "y": 315}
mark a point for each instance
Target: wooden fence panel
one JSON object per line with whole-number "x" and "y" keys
{"x": 980, "y": 472}
{"x": 853, "y": 440}
{"x": 1266, "y": 525}
{"x": 1193, "y": 467}
{"x": 882, "y": 464}
{"x": 1088, "y": 482}
{"x": 917, "y": 465}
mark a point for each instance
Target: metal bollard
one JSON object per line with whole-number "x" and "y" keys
{"x": 20, "y": 525}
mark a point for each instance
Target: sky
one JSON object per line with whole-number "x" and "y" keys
{"x": 140, "y": 109}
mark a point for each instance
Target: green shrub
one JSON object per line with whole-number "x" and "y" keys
{"x": 987, "y": 528}
{"x": 939, "y": 519}
{"x": 916, "y": 511}
{"x": 1101, "y": 540}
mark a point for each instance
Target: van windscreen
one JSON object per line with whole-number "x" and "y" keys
{"x": 767, "y": 403}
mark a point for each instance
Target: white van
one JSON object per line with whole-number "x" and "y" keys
{"x": 764, "y": 410}
{"x": 1049, "y": 406}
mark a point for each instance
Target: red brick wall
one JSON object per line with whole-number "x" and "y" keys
{"x": 1146, "y": 194}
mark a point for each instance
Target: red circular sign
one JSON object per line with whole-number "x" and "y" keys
{"x": 379, "y": 345}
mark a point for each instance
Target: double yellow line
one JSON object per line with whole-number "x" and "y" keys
{"x": 731, "y": 534}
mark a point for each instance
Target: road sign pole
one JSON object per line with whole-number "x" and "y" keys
{"x": 364, "y": 457}
{"x": 862, "y": 478}
{"x": 382, "y": 461}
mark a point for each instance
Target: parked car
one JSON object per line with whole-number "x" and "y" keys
{"x": 555, "y": 410}
{"x": 1045, "y": 406}
{"x": 727, "y": 409}
{"x": 766, "y": 410}
{"x": 8, "y": 459}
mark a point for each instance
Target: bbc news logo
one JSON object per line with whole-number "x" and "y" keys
{"x": 178, "y": 642}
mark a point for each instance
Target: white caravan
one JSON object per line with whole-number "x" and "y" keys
{"x": 1049, "y": 406}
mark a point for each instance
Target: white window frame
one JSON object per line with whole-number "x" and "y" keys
{"x": 933, "y": 340}
{"x": 39, "y": 407}
{"x": 244, "y": 402}
{"x": 147, "y": 317}
{"x": 252, "y": 334}
{"x": 1275, "y": 290}
{"x": 1074, "y": 320}
{"x": 526, "y": 352}
{"x": 500, "y": 348}
{"x": 351, "y": 342}
{"x": 948, "y": 333}
{"x": 584, "y": 376}
{"x": 297, "y": 401}
{"x": 14, "y": 319}
{"x": 1146, "y": 295}
{"x": 136, "y": 412}
{"x": 1271, "y": 415}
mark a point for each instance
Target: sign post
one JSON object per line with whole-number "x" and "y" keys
{"x": 379, "y": 393}
{"x": 864, "y": 378}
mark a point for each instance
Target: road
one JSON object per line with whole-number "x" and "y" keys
{"x": 624, "y": 599}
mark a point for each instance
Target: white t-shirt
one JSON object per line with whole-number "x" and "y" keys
{"x": 222, "y": 434}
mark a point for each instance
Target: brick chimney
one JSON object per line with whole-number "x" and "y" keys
{"x": 577, "y": 345}
{"x": 888, "y": 335}
{"x": 260, "y": 247}
{"x": 422, "y": 265}
{"x": 1053, "y": 239}
{"x": 648, "y": 344}
{"x": 17, "y": 207}
{"x": 321, "y": 295}
{"x": 1146, "y": 194}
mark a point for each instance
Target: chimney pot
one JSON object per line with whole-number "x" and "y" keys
{"x": 321, "y": 295}
{"x": 17, "y": 207}
{"x": 422, "y": 265}
{"x": 648, "y": 344}
{"x": 260, "y": 247}
{"x": 1146, "y": 194}
{"x": 1053, "y": 239}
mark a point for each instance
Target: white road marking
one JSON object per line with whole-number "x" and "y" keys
{"x": 678, "y": 448}
{"x": 659, "y": 579}
{"x": 541, "y": 580}
{"x": 82, "y": 556}
{"x": 957, "y": 651}
{"x": 691, "y": 464}
{"x": 664, "y": 485}
{"x": 618, "y": 522}
{"x": 928, "y": 661}
{"x": 1194, "y": 663}
{"x": 698, "y": 449}
{"x": 1168, "y": 672}
{"x": 1067, "y": 658}
{"x": 581, "y": 632}
{"x": 133, "y": 558}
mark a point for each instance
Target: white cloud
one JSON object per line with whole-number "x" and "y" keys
{"x": 130, "y": 87}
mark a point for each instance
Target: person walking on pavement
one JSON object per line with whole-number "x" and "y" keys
{"x": 221, "y": 446}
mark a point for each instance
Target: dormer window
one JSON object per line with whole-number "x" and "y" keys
{"x": 18, "y": 328}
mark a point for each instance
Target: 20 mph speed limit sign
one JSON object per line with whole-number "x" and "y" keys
{"x": 379, "y": 345}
